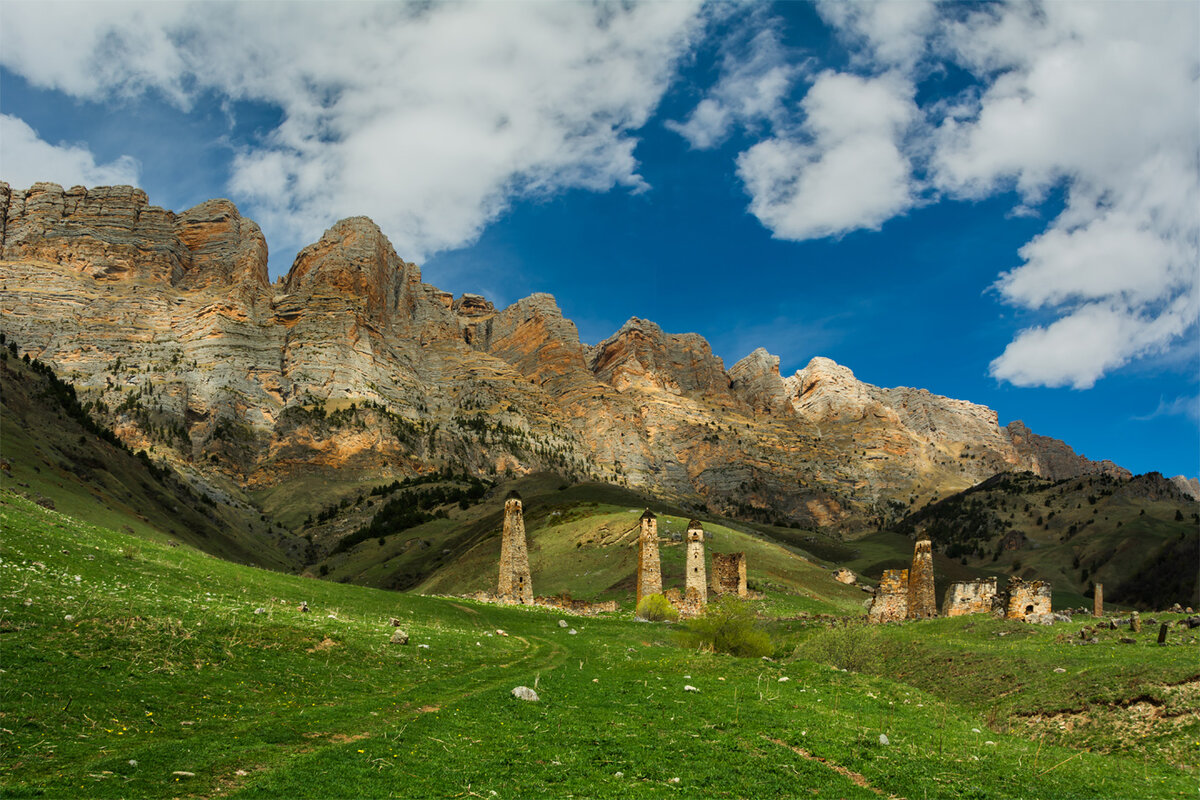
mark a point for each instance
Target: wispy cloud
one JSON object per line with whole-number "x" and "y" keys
{"x": 1186, "y": 406}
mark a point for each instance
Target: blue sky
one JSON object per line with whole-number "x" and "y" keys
{"x": 994, "y": 202}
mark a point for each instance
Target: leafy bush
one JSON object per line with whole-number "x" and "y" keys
{"x": 728, "y": 626}
{"x": 656, "y": 608}
{"x": 850, "y": 647}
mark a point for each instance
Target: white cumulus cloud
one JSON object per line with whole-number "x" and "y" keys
{"x": 843, "y": 168}
{"x": 26, "y": 158}
{"x": 429, "y": 118}
{"x": 1099, "y": 99}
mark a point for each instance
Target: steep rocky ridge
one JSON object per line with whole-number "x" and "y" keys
{"x": 351, "y": 369}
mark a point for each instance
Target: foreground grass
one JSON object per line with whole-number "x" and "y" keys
{"x": 165, "y": 668}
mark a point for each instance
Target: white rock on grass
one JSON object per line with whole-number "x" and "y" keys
{"x": 562, "y": 623}
{"x": 572, "y": 631}
{"x": 260, "y": 611}
{"x": 883, "y": 739}
{"x": 689, "y": 688}
{"x": 525, "y": 693}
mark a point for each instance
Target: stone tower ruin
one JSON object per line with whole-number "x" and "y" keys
{"x": 696, "y": 585}
{"x": 1098, "y": 601}
{"x": 729, "y": 574}
{"x": 515, "y": 584}
{"x": 649, "y": 575}
{"x": 970, "y": 597}
{"x": 891, "y": 598}
{"x": 922, "y": 601}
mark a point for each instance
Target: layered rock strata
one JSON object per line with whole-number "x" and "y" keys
{"x": 352, "y": 368}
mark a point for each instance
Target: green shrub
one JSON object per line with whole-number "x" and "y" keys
{"x": 728, "y": 626}
{"x": 850, "y": 647}
{"x": 656, "y": 608}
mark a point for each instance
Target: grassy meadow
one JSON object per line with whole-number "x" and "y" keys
{"x": 136, "y": 669}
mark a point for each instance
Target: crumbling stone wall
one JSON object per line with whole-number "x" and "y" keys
{"x": 515, "y": 584}
{"x": 729, "y": 574}
{"x": 688, "y": 605}
{"x": 970, "y": 597}
{"x": 922, "y": 601}
{"x": 696, "y": 575}
{"x": 649, "y": 575}
{"x": 891, "y": 599}
{"x": 1026, "y": 598}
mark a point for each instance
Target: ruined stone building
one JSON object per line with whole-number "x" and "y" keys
{"x": 970, "y": 597}
{"x": 649, "y": 574}
{"x": 922, "y": 600}
{"x": 729, "y": 574}
{"x": 1026, "y": 598}
{"x": 891, "y": 599}
{"x": 696, "y": 585}
{"x": 515, "y": 584}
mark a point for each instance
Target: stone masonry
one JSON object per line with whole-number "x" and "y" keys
{"x": 649, "y": 574}
{"x": 729, "y": 574}
{"x": 696, "y": 583}
{"x": 1026, "y": 598}
{"x": 515, "y": 584}
{"x": 969, "y": 597}
{"x": 1098, "y": 601}
{"x": 891, "y": 599}
{"x": 922, "y": 601}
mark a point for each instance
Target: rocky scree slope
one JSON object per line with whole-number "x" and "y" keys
{"x": 351, "y": 369}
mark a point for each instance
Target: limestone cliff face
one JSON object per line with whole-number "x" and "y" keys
{"x": 353, "y": 369}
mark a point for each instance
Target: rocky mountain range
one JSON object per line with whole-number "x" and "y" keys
{"x": 351, "y": 370}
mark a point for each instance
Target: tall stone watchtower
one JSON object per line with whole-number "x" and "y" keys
{"x": 649, "y": 575}
{"x": 697, "y": 583}
{"x": 515, "y": 584}
{"x": 922, "y": 601}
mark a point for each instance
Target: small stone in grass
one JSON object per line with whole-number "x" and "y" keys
{"x": 399, "y": 637}
{"x": 69, "y": 618}
{"x": 883, "y": 739}
{"x": 673, "y": 780}
{"x": 976, "y": 730}
{"x": 395, "y": 623}
{"x": 423, "y": 645}
{"x": 260, "y": 611}
{"x": 690, "y": 688}
{"x": 618, "y": 774}
{"x": 784, "y": 679}
{"x": 525, "y": 693}
{"x": 183, "y": 774}
{"x": 572, "y": 631}
{"x": 562, "y": 623}
{"x": 993, "y": 744}
{"x": 1059, "y": 669}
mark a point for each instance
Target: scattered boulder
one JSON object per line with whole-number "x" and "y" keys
{"x": 260, "y": 610}
{"x": 395, "y": 623}
{"x": 690, "y": 688}
{"x": 525, "y": 693}
{"x": 843, "y": 575}
{"x": 1135, "y": 622}
{"x": 304, "y": 607}
{"x": 1192, "y": 622}
{"x": 1128, "y": 640}
{"x": 1043, "y": 619}
{"x": 1059, "y": 669}
{"x": 1176, "y": 609}
{"x": 399, "y": 637}
{"x": 562, "y": 623}
{"x": 883, "y": 739}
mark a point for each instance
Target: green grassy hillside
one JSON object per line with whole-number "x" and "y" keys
{"x": 54, "y": 453}
{"x": 1074, "y": 533}
{"x": 132, "y": 669}
{"x": 583, "y": 542}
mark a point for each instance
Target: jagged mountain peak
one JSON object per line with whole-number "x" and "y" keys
{"x": 184, "y": 346}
